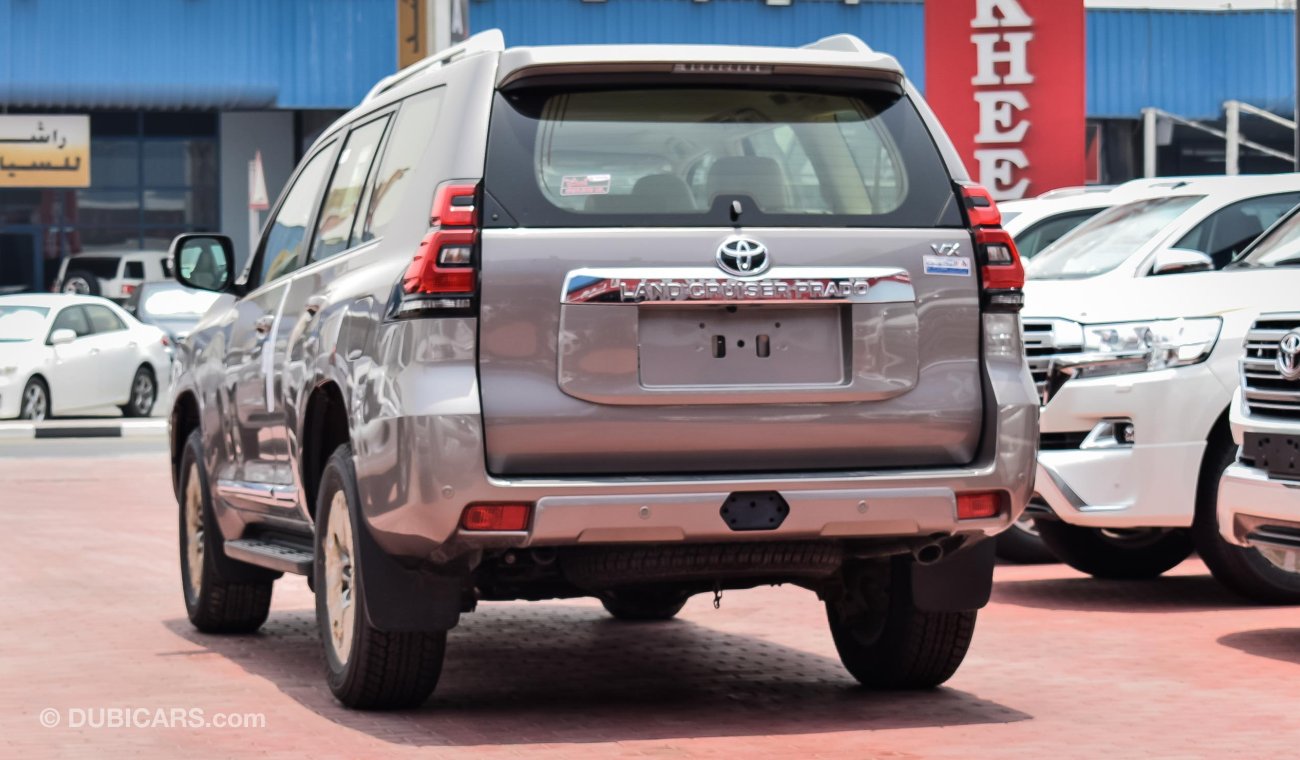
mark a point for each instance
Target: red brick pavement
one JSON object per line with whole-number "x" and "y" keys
{"x": 1062, "y": 666}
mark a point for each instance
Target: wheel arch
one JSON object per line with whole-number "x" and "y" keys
{"x": 184, "y": 419}
{"x": 325, "y": 427}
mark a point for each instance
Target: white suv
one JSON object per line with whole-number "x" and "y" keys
{"x": 113, "y": 275}
{"x": 1133, "y": 339}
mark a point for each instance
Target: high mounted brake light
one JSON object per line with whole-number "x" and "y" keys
{"x": 443, "y": 274}
{"x": 1002, "y": 275}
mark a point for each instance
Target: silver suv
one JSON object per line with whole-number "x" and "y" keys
{"x": 629, "y": 322}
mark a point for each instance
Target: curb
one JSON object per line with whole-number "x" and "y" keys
{"x": 84, "y": 429}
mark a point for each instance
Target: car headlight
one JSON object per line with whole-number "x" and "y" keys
{"x": 1124, "y": 347}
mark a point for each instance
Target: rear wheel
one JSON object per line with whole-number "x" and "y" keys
{"x": 644, "y": 604}
{"x": 366, "y": 668}
{"x": 144, "y": 392}
{"x": 81, "y": 283}
{"x": 1244, "y": 570}
{"x": 1021, "y": 544}
{"x": 35, "y": 403}
{"x": 1119, "y": 554}
{"x": 221, "y": 595}
{"x": 886, "y": 642}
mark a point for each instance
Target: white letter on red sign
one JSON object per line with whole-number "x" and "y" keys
{"x": 1012, "y": 14}
{"x": 998, "y": 116}
{"x": 997, "y": 171}
{"x": 989, "y": 57}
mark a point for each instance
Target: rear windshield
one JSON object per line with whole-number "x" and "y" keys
{"x": 684, "y": 156}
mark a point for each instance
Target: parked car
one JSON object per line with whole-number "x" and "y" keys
{"x": 113, "y": 275}
{"x": 170, "y": 306}
{"x": 523, "y": 399}
{"x": 1134, "y": 326}
{"x": 1036, "y": 224}
{"x": 1258, "y": 501}
{"x": 62, "y": 354}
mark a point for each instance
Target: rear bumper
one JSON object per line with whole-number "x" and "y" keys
{"x": 417, "y": 473}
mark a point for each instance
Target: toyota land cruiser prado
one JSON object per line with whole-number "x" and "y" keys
{"x": 630, "y": 322}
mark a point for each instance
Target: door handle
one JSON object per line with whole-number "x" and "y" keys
{"x": 314, "y": 304}
{"x": 264, "y": 324}
{"x": 94, "y": 351}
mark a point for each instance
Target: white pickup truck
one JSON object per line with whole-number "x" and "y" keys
{"x": 1134, "y": 324}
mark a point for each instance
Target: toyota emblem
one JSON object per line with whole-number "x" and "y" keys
{"x": 1288, "y": 356}
{"x": 742, "y": 256}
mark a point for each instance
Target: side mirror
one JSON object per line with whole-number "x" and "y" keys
{"x": 203, "y": 260}
{"x": 1179, "y": 260}
{"x": 62, "y": 337}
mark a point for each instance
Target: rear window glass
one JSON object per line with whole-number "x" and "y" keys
{"x": 684, "y": 156}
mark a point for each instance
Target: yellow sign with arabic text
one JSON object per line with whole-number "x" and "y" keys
{"x": 44, "y": 151}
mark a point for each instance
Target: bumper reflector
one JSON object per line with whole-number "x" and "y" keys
{"x": 496, "y": 517}
{"x": 976, "y": 506}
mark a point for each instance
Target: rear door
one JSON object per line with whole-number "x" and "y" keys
{"x": 117, "y": 353}
{"x": 718, "y": 278}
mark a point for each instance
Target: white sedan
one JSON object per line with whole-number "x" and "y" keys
{"x": 62, "y": 354}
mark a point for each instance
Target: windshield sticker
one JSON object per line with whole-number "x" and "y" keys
{"x": 585, "y": 184}
{"x": 955, "y": 266}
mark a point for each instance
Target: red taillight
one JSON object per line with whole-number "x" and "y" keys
{"x": 495, "y": 517}
{"x": 443, "y": 274}
{"x": 166, "y": 341}
{"x": 980, "y": 208}
{"x": 128, "y": 290}
{"x": 999, "y": 259}
{"x": 1001, "y": 272}
{"x": 436, "y": 268}
{"x": 978, "y": 506}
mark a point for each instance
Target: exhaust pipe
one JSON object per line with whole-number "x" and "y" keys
{"x": 928, "y": 554}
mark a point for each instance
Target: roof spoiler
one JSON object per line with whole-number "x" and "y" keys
{"x": 487, "y": 41}
{"x": 841, "y": 43}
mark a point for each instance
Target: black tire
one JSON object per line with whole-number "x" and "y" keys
{"x": 36, "y": 408}
{"x": 644, "y": 604}
{"x": 81, "y": 282}
{"x": 895, "y": 645}
{"x": 1018, "y": 545}
{"x": 228, "y": 596}
{"x": 382, "y": 669}
{"x": 1116, "y": 555}
{"x": 143, "y": 395}
{"x": 1243, "y": 570}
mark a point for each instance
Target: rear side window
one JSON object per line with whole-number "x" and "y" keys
{"x": 683, "y": 156}
{"x": 134, "y": 270}
{"x": 102, "y": 320}
{"x": 405, "y": 147}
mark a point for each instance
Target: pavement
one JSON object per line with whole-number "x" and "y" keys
{"x": 95, "y": 645}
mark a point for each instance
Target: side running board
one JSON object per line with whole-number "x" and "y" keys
{"x": 283, "y": 555}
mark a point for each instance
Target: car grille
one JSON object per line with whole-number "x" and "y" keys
{"x": 1266, "y": 392}
{"x": 1046, "y": 339}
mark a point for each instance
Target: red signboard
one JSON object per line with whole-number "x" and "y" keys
{"x": 1006, "y": 78}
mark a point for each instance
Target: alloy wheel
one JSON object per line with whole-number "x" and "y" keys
{"x": 339, "y": 588}
{"x": 142, "y": 393}
{"x": 193, "y": 531}
{"x": 35, "y": 405}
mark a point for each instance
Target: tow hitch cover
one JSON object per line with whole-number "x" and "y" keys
{"x": 754, "y": 510}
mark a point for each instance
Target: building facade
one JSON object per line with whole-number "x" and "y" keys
{"x": 183, "y": 94}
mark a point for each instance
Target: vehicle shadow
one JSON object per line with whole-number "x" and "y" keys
{"x": 1167, "y": 594}
{"x": 526, "y": 674}
{"x": 1276, "y": 643}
